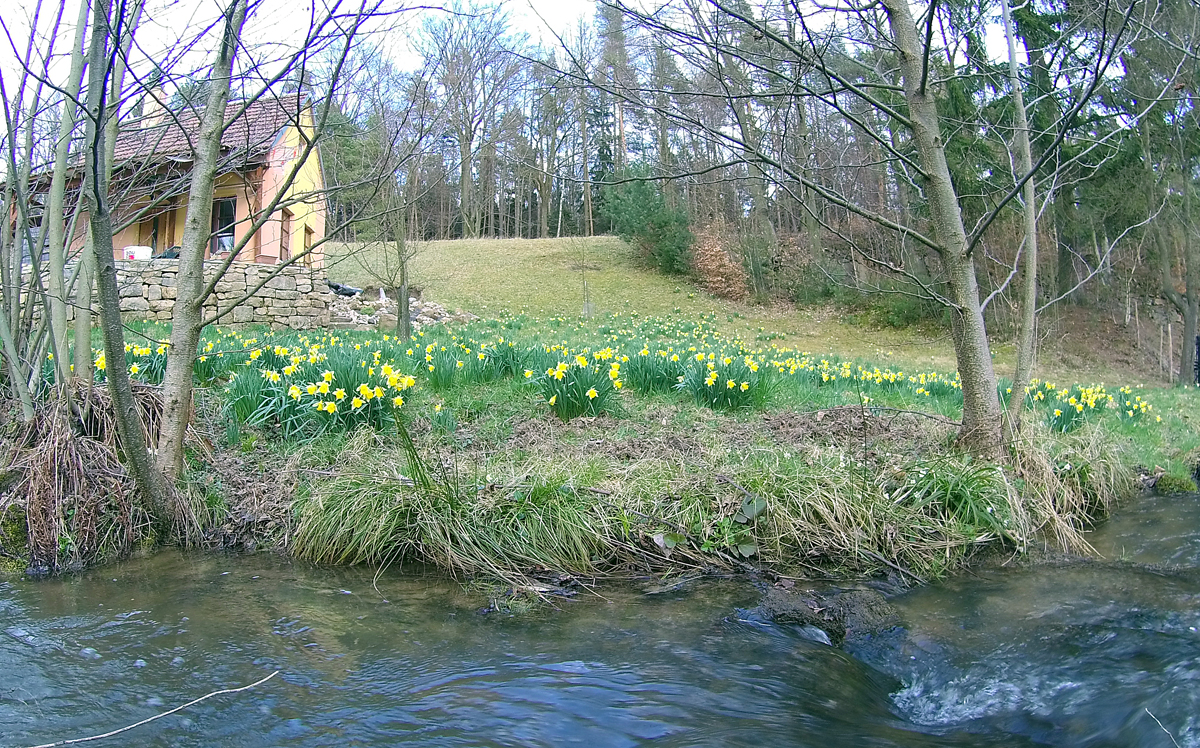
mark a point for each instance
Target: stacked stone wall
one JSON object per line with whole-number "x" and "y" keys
{"x": 292, "y": 299}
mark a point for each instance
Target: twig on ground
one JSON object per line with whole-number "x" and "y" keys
{"x": 732, "y": 482}
{"x": 897, "y": 567}
{"x": 127, "y": 728}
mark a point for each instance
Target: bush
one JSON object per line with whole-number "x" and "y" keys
{"x": 641, "y": 216}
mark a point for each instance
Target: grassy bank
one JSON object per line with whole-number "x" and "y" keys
{"x": 629, "y": 442}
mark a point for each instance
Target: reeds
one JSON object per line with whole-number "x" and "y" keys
{"x": 822, "y": 510}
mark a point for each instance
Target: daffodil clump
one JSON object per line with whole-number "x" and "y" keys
{"x": 580, "y": 385}
{"x": 1069, "y": 408}
{"x": 657, "y": 370}
{"x": 145, "y": 362}
{"x": 317, "y": 386}
{"x": 725, "y": 382}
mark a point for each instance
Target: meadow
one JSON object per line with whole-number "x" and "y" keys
{"x": 638, "y": 443}
{"x": 664, "y": 431}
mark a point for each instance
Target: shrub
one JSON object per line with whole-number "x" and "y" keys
{"x": 641, "y": 216}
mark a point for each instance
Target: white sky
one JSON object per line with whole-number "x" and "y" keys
{"x": 274, "y": 22}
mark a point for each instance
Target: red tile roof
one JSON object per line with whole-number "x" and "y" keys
{"x": 248, "y": 137}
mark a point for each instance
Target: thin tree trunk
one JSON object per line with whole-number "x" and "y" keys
{"x": 1029, "y": 258}
{"x": 980, "y": 430}
{"x": 188, "y": 317}
{"x": 150, "y": 487}
{"x": 54, "y": 214}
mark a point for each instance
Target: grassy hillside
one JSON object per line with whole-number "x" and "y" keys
{"x": 544, "y": 278}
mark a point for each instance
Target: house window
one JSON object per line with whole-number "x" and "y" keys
{"x": 285, "y": 236}
{"x": 224, "y": 215}
{"x": 308, "y": 243}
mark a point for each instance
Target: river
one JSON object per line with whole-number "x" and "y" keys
{"x": 1069, "y": 654}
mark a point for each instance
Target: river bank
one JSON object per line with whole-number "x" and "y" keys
{"x": 477, "y": 450}
{"x": 1078, "y": 655}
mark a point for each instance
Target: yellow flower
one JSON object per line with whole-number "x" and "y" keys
{"x": 730, "y": 384}
{"x": 528, "y": 373}
{"x": 134, "y": 369}
{"x": 294, "y": 392}
{"x": 745, "y": 386}
{"x": 339, "y": 393}
{"x": 323, "y": 388}
{"x": 617, "y": 383}
{"x": 592, "y": 394}
{"x": 1057, "y": 412}
{"x": 254, "y": 354}
{"x": 327, "y": 376}
{"x": 289, "y": 370}
{"x": 553, "y": 399}
{"x": 582, "y": 361}
{"x": 311, "y": 389}
{"x": 397, "y": 401}
{"x": 331, "y": 407}
{"x": 378, "y": 391}
{"x": 386, "y": 370}
{"x": 357, "y": 403}
{"x": 458, "y": 364}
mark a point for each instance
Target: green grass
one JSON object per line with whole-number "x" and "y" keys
{"x": 545, "y": 278}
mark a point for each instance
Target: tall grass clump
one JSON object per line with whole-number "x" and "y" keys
{"x": 381, "y": 516}
{"x": 1070, "y": 480}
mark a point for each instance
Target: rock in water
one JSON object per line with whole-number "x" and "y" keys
{"x": 842, "y": 614}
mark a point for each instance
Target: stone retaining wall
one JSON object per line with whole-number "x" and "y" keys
{"x": 294, "y": 299}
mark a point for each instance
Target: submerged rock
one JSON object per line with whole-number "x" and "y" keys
{"x": 842, "y": 614}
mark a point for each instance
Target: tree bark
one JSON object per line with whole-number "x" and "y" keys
{"x": 980, "y": 430}
{"x": 150, "y": 486}
{"x": 188, "y": 319}
{"x": 1029, "y": 257}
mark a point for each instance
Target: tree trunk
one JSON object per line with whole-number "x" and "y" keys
{"x": 56, "y": 199}
{"x": 1029, "y": 258}
{"x": 980, "y": 430}
{"x": 188, "y": 319}
{"x": 150, "y": 486}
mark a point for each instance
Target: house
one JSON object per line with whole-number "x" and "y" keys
{"x": 259, "y": 149}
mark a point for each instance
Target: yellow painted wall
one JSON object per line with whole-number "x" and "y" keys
{"x": 305, "y": 199}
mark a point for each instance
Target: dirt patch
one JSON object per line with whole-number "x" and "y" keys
{"x": 848, "y": 426}
{"x": 257, "y": 502}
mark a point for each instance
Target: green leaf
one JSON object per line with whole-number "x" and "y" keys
{"x": 747, "y": 549}
{"x": 753, "y": 506}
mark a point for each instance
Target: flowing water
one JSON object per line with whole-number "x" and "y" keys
{"x": 1072, "y": 655}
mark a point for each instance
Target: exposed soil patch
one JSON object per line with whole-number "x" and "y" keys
{"x": 848, "y": 426}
